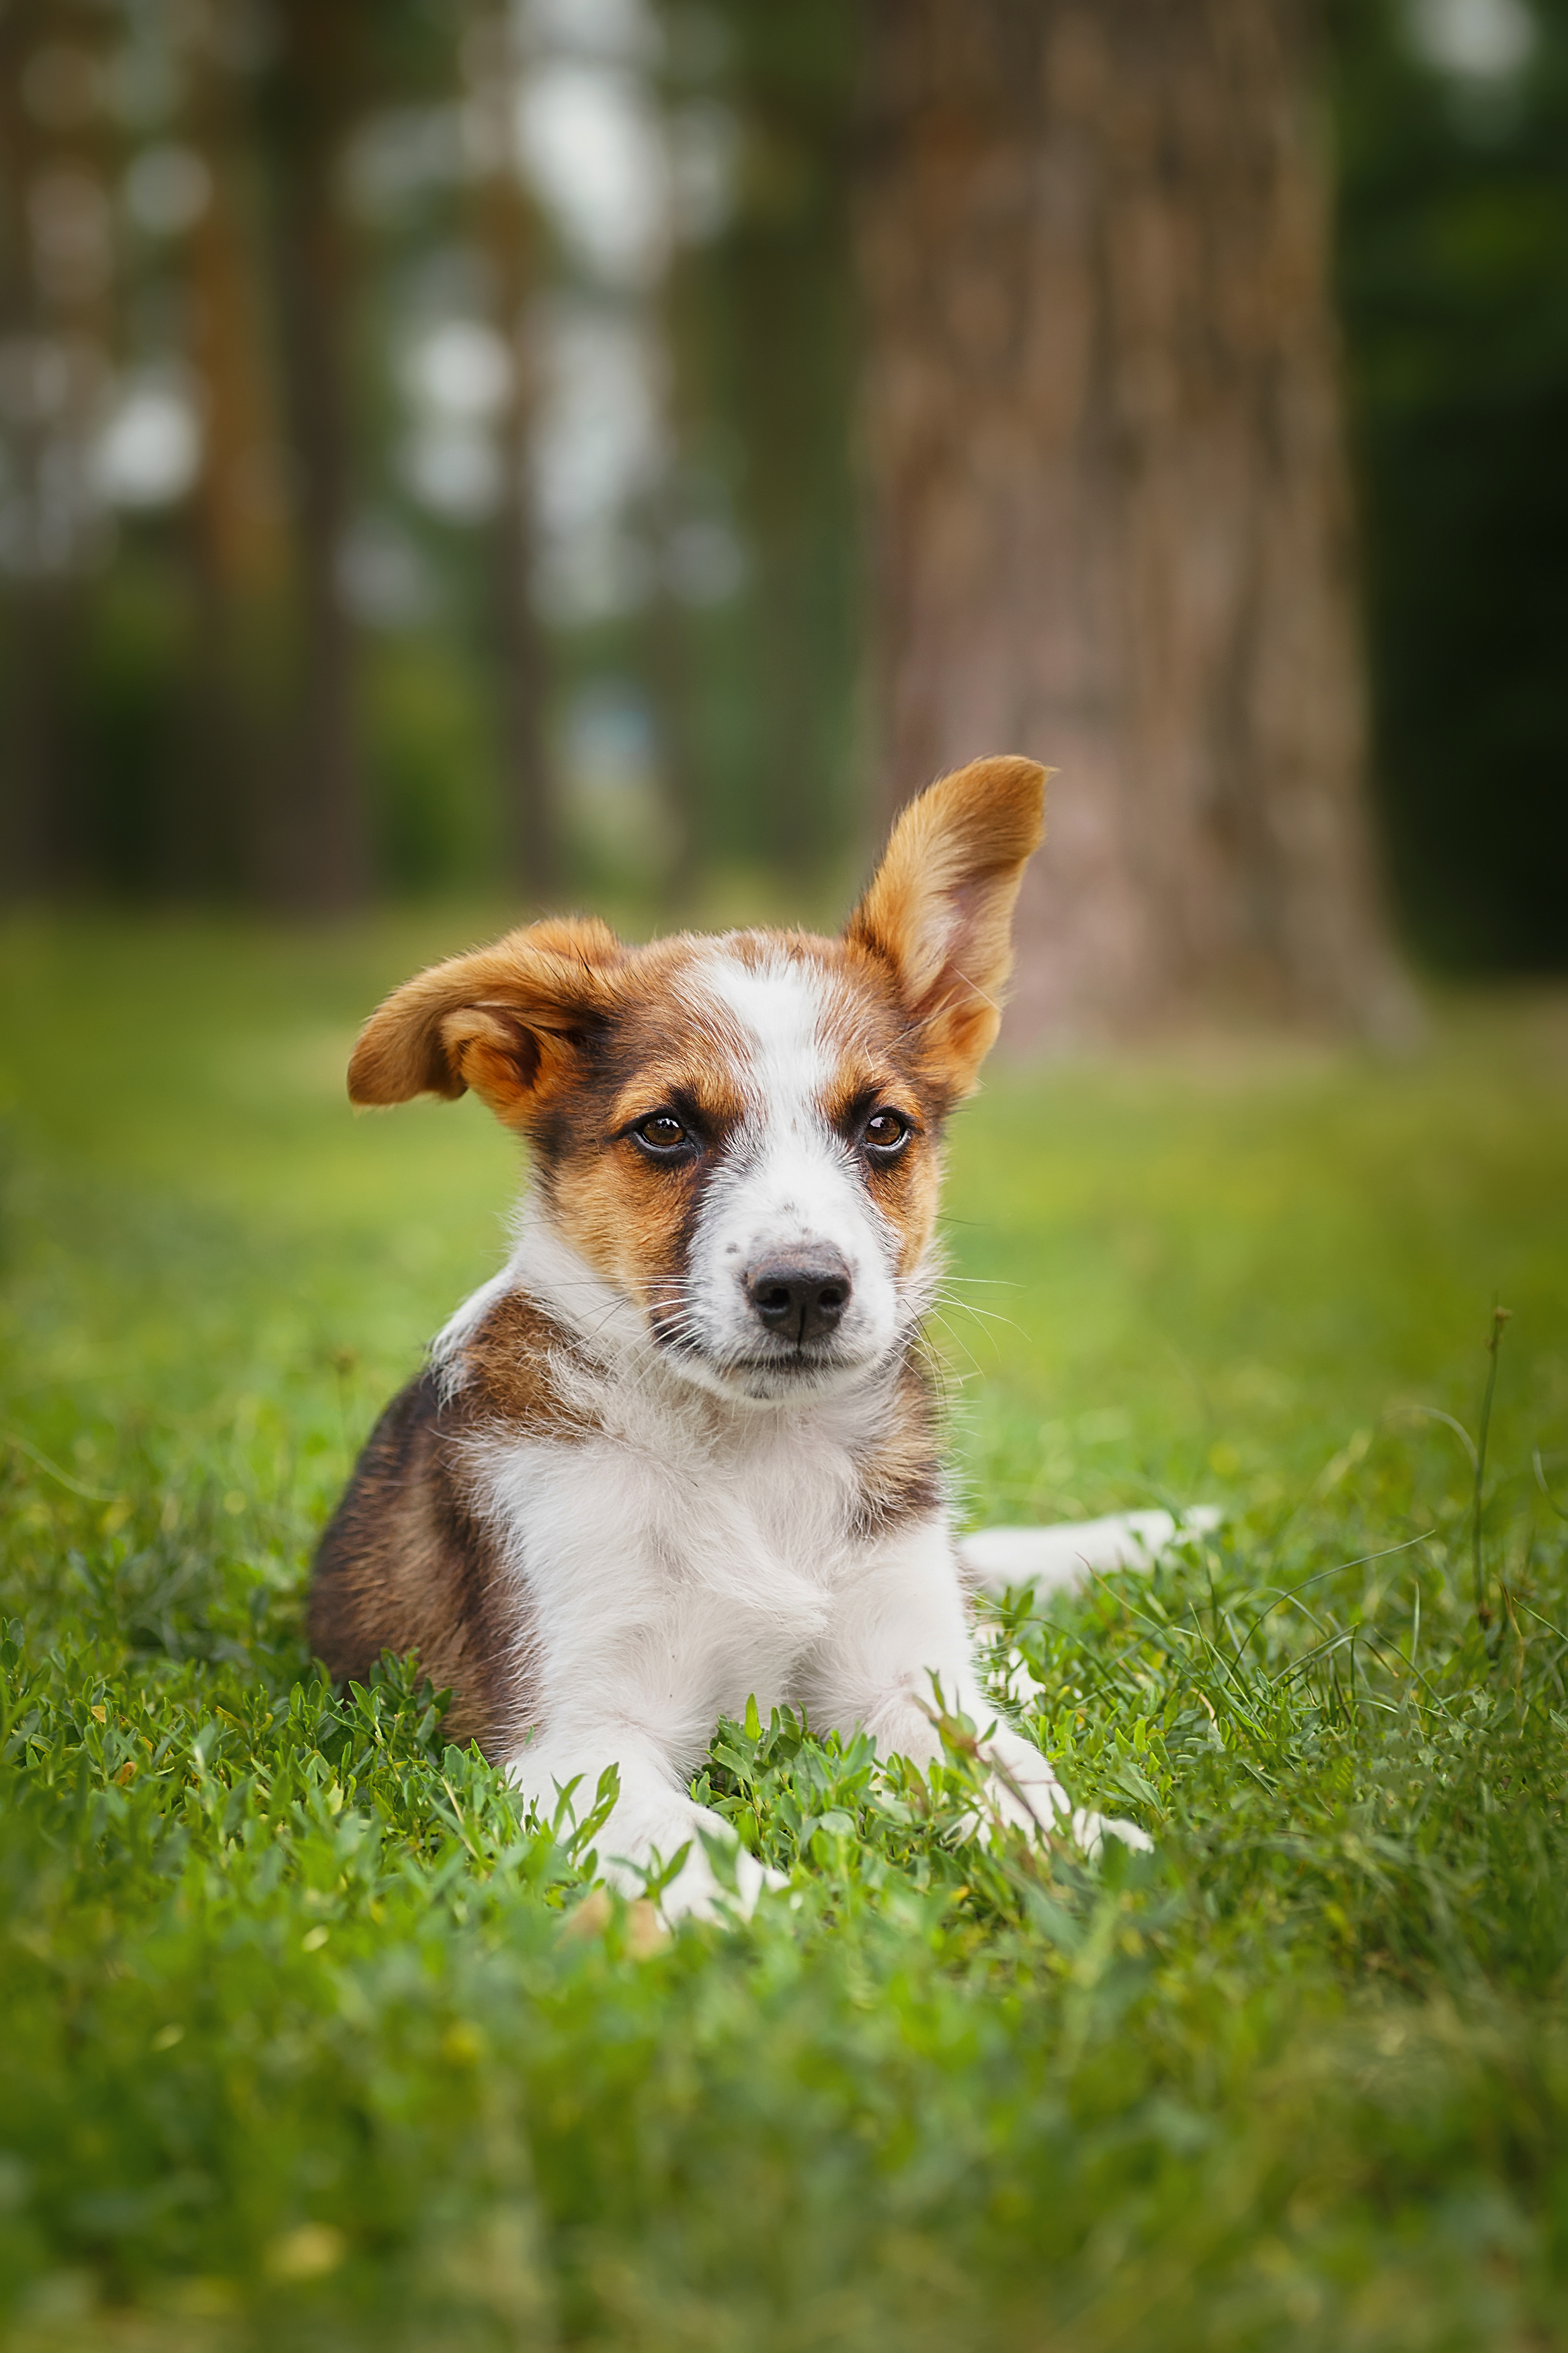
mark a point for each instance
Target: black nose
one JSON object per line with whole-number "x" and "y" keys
{"x": 800, "y": 1298}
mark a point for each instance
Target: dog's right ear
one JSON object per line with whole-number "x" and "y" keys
{"x": 509, "y": 1021}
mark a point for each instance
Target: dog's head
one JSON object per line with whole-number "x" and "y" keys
{"x": 741, "y": 1134}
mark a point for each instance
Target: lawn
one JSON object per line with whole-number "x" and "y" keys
{"x": 309, "y": 2040}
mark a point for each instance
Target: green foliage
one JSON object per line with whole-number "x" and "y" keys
{"x": 1453, "y": 204}
{"x": 438, "y": 818}
{"x": 312, "y": 2039}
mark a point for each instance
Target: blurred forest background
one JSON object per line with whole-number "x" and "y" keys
{"x": 615, "y": 449}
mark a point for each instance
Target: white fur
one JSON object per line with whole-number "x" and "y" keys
{"x": 1070, "y": 1553}
{"x": 697, "y": 1552}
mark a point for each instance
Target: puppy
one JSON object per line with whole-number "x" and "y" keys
{"x": 683, "y": 1449}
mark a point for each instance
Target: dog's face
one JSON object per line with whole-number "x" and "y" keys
{"x": 741, "y": 1134}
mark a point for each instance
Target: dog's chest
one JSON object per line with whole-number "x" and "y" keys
{"x": 717, "y": 1566}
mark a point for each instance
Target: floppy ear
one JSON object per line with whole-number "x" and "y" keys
{"x": 940, "y": 908}
{"x": 506, "y": 1020}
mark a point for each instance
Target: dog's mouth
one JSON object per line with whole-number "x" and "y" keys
{"x": 783, "y": 1368}
{"x": 804, "y": 1373}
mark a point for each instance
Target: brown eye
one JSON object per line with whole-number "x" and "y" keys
{"x": 885, "y": 1134}
{"x": 661, "y": 1133}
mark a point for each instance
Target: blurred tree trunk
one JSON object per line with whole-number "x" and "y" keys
{"x": 221, "y": 832}
{"x": 55, "y": 315}
{"x": 787, "y": 297}
{"x": 510, "y": 233}
{"x": 672, "y": 673}
{"x": 28, "y": 755}
{"x": 672, "y": 649}
{"x": 1110, "y": 525}
{"x": 318, "y": 852}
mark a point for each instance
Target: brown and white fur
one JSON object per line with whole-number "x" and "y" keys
{"x": 682, "y": 1450}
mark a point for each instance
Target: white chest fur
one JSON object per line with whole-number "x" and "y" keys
{"x": 686, "y": 1557}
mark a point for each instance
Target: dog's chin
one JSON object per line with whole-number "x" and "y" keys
{"x": 787, "y": 1377}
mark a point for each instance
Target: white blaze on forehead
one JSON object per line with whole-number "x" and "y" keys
{"x": 778, "y": 1009}
{"x": 787, "y": 1182}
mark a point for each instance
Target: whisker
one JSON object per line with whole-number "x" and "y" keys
{"x": 981, "y": 1315}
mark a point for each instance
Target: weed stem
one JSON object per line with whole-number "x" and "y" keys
{"x": 1500, "y": 1316}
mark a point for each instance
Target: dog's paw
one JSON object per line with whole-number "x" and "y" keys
{"x": 719, "y": 1879}
{"x": 1091, "y": 1831}
{"x": 1040, "y": 1808}
{"x": 753, "y": 1880}
{"x": 1026, "y": 1795}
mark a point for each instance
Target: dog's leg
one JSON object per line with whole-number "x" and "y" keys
{"x": 653, "y": 1817}
{"x": 903, "y": 1623}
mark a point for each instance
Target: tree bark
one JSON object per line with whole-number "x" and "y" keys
{"x": 220, "y": 831}
{"x": 510, "y": 236}
{"x": 320, "y": 856}
{"x": 30, "y": 763}
{"x": 1109, "y": 517}
{"x": 786, "y": 293}
{"x": 55, "y": 337}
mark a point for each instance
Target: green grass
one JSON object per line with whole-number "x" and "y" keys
{"x": 306, "y": 2041}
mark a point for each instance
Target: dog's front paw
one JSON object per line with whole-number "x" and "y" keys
{"x": 1091, "y": 1831}
{"x": 752, "y": 1879}
{"x": 1028, "y": 1797}
{"x": 719, "y": 1879}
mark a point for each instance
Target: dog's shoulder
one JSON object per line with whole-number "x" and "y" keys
{"x": 514, "y": 1371}
{"x": 898, "y": 1471}
{"x": 402, "y": 1565}
{"x": 414, "y": 1557}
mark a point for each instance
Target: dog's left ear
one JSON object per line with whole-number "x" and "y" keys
{"x": 510, "y": 1021}
{"x": 940, "y": 908}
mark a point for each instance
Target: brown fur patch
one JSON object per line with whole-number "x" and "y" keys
{"x": 509, "y": 1383}
{"x": 940, "y": 909}
{"x": 902, "y": 1479}
{"x": 672, "y": 1047}
{"x": 407, "y": 1562}
{"x": 877, "y": 1071}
